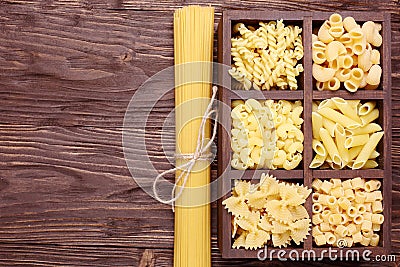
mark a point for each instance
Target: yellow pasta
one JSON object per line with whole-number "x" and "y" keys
{"x": 342, "y": 46}
{"x": 343, "y": 74}
{"x": 356, "y": 140}
{"x": 372, "y": 185}
{"x": 374, "y": 240}
{"x": 316, "y": 184}
{"x": 377, "y": 218}
{"x": 365, "y": 241}
{"x": 377, "y": 206}
{"x": 316, "y": 124}
{"x": 349, "y": 23}
{"x": 340, "y": 137}
{"x": 339, "y": 118}
{"x": 330, "y": 238}
{"x": 320, "y": 240}
{"x": 270, "y": 212}
{"x": 364, "y": 60}
{"x": 333, "y": 50}
{"x": 341, "y": 230}
{"x": 323, "y": 33}
{"x": 349, "y": 131}
{"x": 345, "y": 62}
{"x": 367, "y": 150}
{"x": 266, "y": 57}
{"x": 337, "y": 192}
{"x": 253, "y": 140}
{"x": 374, "y": 75}
{"x": 322, "y": 74}
{"x": 340, "y": 217}
{"x": 375, "y": 56}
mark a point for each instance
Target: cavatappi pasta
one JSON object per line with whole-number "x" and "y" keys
{"x": 349, "y": 210}
{"x": 346, "y": 52}
{"x": 266, "y": 57}
{"x": 268, "y": 212}
{"x": 266, "y": 134}
{"x": 344, "y": 134}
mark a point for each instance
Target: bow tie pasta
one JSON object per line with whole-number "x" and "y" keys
{"x": 270, "y": 211}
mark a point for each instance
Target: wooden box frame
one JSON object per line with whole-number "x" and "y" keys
{"x": 306, "y": 93}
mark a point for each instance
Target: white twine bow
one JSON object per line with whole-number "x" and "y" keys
{"x": 200, "y": 153}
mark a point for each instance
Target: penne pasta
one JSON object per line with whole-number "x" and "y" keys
{"x": 317, "y": 161}
{"x": 346, "y": 109}
{"x": 316, "y": 124}
{"x": 367, "y": 150}
{"x": 356, "y": 140}
{"x": 339, "y": 118}
{"x": 367, "y": 129}
{"x": 330, "y": 146}
{"x": 340, "y": 138}
{"x": 370, "y": 117}
{"x": 366, "y": 108}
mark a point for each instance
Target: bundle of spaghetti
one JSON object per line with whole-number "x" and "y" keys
{"x": 193, "y": 42}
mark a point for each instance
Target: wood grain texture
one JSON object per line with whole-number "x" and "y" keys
{"x": 67, "y": 72}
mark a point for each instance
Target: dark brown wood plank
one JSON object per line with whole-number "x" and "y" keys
{"x": 39, "y": 255}
{"x": 71, "y": 186}
{"x": 78, "y": 68}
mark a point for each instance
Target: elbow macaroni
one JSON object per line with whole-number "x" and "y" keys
{"x": 342, "y": 46}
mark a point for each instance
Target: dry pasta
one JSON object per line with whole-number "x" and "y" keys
{"x": 340, "y": 215}
{"x": 344, "y": 134}
{"x": 341, "y": 46}
{"x": 267, "y": 57}
{"x": 266, "y": 134}
{"x": 193, "y": 42}
{"x": 269, "y": 212}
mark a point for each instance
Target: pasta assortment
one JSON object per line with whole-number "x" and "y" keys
{"x": 349, "y": 210}
{"x": 266, "y": 134}
{"x": 344, "y": 134}
{"x": 345, "y": 52}
{"x": 270, "y": 211}
{"x": 266, "y": 57}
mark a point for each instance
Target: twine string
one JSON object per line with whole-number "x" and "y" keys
{"x": 200, "y": 154}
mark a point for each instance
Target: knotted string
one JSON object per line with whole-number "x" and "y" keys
{"x": 200, "y": 153}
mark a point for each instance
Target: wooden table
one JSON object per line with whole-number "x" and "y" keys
{"x": 67, "y": 72}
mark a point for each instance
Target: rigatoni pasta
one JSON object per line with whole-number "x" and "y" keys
{"x": 345, "y": 135}
{"x": 349, "y": 210}
{"x": 343, "y": 46}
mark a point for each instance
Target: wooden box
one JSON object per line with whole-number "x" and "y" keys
{"x": 306, "y": 93}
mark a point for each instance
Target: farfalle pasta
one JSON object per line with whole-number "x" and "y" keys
{"x": 270, "y": 211}
{"x": 266, "y": 134}
{"x": 346, "y": 52}
{"x": 266, "y": 57}
{"x": 349, "y": 210}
